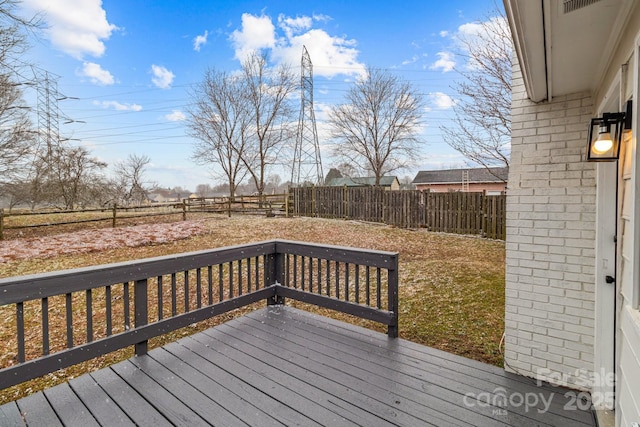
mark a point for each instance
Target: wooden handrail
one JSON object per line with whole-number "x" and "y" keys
{"x": 93, "y": 306}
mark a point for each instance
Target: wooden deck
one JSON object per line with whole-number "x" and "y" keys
{"x": 281, "y": 366}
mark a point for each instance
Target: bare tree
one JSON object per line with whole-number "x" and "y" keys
{"x": 202, "y": 190}
{"x": 219, "y": 119}
{"x": 130, "y": 182}
{"x": 242, "y": 121}
{"x": 75, "y": 173}
{"x": 377, "y": 128}
{"x": 481, "y": 130}
{"x": 269, "y": 92}
{"x": 16, "y": 136}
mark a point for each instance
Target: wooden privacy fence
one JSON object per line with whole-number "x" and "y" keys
{"x": 453, "y": 212}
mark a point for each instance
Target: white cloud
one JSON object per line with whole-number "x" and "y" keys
{"x": 176, "y": 116}
{"x": 492, "y": 36}
{"x": 200, "y": 40}
{"x": 296, "y": 25}
{"x": 441, "y": 100}
{"x": 444, "y": 33}
{"x": 445, "y": 62}
{"x": 162, "y": 77}
{"x": 258, "y": 32}
{"x": 331, "y": 55}
{"x": 118, "y": 106}
{"x": 76, "y": 27}
{"x": 96, "y": 74}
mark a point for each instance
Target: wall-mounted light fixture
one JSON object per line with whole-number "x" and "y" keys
{"x": 605, "y": 135}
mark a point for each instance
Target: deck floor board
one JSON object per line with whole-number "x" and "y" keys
{"x": 281, "y": 366}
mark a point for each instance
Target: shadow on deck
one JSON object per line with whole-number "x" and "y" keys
{"x": 282, "y": 366}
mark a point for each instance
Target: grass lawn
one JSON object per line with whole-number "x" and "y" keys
{"x": 451, "y": 287}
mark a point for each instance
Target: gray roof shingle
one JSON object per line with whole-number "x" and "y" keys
{"x": 449, "y": 176}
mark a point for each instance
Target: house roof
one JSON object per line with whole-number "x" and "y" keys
{"x": 385, "y": 181}
{"x": 454, "y": 176}
{"x": 565, "y": 46}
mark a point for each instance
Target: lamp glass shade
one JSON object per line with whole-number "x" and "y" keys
{"x": 604, "y": 137}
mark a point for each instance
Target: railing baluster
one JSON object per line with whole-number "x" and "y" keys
{"x": 346, "y": 281}
{"x": 357, "y": 267}
{"x": 174, "y": 295}
{"x": 125, "y": 299}
{"x": 20, "y": 331}
{"x": 220, "y": 282}
{"x": 69, "y": 308}
{"x": 310, "y": 274}
{"x": 109, "y": 313}
{"x": 248, "y": 274}
{"x": 368, "y": 281}
{"x": 198, "y": 288}
{"x": 231, "y": 279}
{"x": 328, "y": 278}
{"x": 89, "y": 306}
{"x": 378, "y": 288}
{"x": 302, "y": 275}
{"x": 210, "y": 283}
{"x": 239, "y": 277}
{"x": 45, "y": 326}
{"x": 295, "y": 272}
{"x": 160, "y": 299}
{"x": 319, "y": 276}
{"x": 257, "y": 273}
{"x": 186, "y": 291}
{"x": 287, "y": 270}
{"x": 337, "y": 273}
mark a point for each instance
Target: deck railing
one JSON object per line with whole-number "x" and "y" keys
{"x": 55, "y": 320}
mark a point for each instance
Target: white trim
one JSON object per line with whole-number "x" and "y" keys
{"x": 605, "y": 264}
{"x": 527, "y": 23}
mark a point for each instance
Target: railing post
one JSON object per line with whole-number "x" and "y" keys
{"x": 1, "y": 224}
{"x": 141, "y": 313}
{"x": 113, "y": 220}
{"x": 276, "y": 276}
{"x": 184, "y": 209}
{"x": 392, "y": 291}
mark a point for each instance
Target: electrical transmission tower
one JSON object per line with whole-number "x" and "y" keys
{"x": 307, "y": 165}
{"x": 47, "y": 108}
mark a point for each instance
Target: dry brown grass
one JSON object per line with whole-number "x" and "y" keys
{"x": 451, "y": 287}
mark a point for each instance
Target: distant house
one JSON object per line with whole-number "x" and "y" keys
{"x": 386, "y": 182}
{"x": 491, "y": 181}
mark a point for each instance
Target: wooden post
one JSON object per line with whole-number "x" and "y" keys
{"x": 345, "y": 202}
{"x": 286, "y": 205}
{"x": 184, "y": 209}
{"x": 141, "y": 313}
{"x": 1, "y": 224}
{"x": 275, "y": 271}
{"x": 229, "y": 210}
{"x": 113, "y": 220}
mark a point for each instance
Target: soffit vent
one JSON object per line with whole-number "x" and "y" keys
{"x": 571, "y": 5}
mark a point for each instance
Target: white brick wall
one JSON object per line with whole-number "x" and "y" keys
{"x": 550, "y": 240}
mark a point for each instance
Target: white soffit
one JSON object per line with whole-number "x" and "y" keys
{"x": 562, "y": 52}
{"x": 582, "y": 42}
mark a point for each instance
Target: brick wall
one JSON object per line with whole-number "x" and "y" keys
{"x": 550, "y": 241}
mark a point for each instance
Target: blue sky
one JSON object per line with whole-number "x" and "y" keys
{"x": 131, "y": 64}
